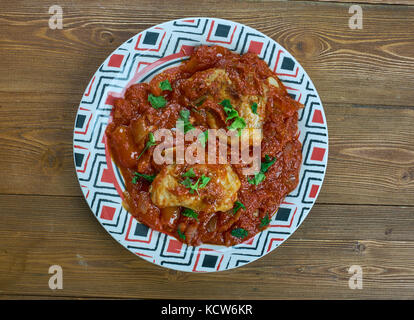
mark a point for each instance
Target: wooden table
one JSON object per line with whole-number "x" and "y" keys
{"x": 363, "y": 216}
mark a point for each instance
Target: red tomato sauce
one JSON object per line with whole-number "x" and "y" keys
{"x": 133, "y": 117}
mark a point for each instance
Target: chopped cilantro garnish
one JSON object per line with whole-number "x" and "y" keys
{"x": 150, "y": 142}
{"x": 239, "y": 233}
{"x": 147, "y": 177}
{"x": 238, "y": 122}
{"x": 237, "y": 206}
{"x": 260, "y": 176}
{"x": 204, "y": 181}
{"x": 226, "y": 105}
{"x": 190, "y": 173}
{"x": 229, "y": 110}
{"x": 265, "y": 221}
{"x": 254, "y": 108}
{"x": 180, "y": 234}
{"x": 200, "y": 183}
{"x": 165, "y": 85}
{"x": 185, "y": 114}
{"x": 202, "y": 137}
{"x": 189, "y": 184}
{"x": 185, "y": 117}
{"x": 267, "y": 163}
{"x": 190, "y": 213}
{"x": 157, "y": 102}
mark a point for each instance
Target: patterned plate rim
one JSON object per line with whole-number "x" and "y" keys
{"x": 148, "y": 53}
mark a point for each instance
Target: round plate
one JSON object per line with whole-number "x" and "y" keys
{"x": 138, "y": 60}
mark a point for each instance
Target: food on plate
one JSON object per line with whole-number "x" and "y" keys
{"x": 219, "y": 193}
{"x": 196, "y": 202}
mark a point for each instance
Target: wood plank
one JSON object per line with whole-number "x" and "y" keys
{"x": 312, "y": 269}
{"x": 36, "y": 151}
{"x": 371, "y": 156}
{"x": 365, "y": 80}
{"x": 394, "y": 2}
{"x": 348, "y": 66}
{"x": 20, "y": 297}
{"x": 36, "y": 232}
{"x": 43, "y": 215}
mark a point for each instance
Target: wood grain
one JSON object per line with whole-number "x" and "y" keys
{"x": 364, "y": 214}
{"x": 371, "y": 159}
{"x": 406, "y": 2}
{"x": 347, "y": 66}
{"x": 371, "y": 156}
{"x": 36, "y": 232}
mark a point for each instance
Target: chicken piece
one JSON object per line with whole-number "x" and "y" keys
{"x": 140, "y": 129}
{"x": 216, "y": 84}
{"x": 123, "y": 146}
{"x": 219, "y": 194}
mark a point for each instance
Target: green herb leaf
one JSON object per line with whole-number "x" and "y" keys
{"x": 229, "y": 110}
{"x": 237, "y": 124}
{"x": 138, "y": 175}
{"x": 187, "y": 183}
{"x": 180, "y": 234}
{"x": 265, "y": 221}
{"x": 239, "y": 233}
{"x": 226, "y": 105}
{"x": 204, "y": 181}
{"x": 260, "y": 176}
{"x": 232, "y": 114}
{"x": 190, "y": 173}
{"x": 185, "y": 117}
{"x": 157, "y": 102}
{"x": 254, "y": 108}
{"x": 194, "y": 187}
{"x": 237, "y": 206}
{"x": 165, "y": 85}
{"x": 267, "y": 163}
{"x": 190, "y": 213}
{"x": 202, "y": 137}
{"x": 150, "y": 142}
